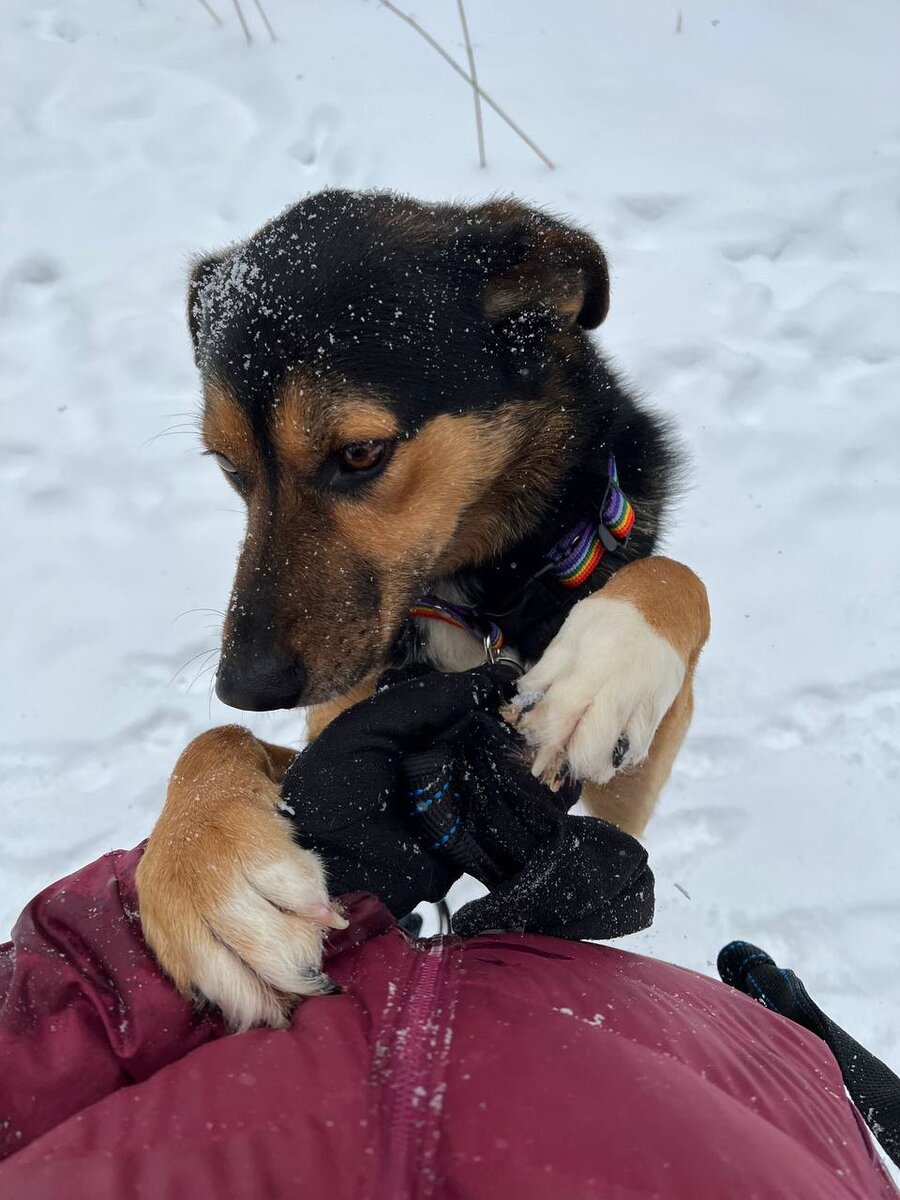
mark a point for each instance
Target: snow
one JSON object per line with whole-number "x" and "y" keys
{"x": 744, "y": 177}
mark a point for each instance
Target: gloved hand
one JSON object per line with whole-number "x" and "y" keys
{"x": 574, "y": 877}
{"x": 424, "y": 781}
{"x": 346, "y": 793}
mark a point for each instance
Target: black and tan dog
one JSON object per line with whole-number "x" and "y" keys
{"x": 407, "y": 400}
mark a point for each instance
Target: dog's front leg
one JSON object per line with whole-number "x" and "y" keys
{"x": 233, "y": 909}
{"x": 613, "y": 691}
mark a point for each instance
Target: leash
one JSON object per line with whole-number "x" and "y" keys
{"x": 571, "y": 562}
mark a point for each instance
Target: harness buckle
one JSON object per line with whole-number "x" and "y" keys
{"x": 611, "y": 542}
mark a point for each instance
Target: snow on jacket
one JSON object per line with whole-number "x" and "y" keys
{"x": 503, "y": 1066}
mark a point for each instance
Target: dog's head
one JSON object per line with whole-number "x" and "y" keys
{"x": 384, "y": 386}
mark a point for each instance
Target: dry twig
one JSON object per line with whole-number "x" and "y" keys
{"x": 212, "y": 12}
{"x": 265, "y": 19}
{"x": 247, "y": 34}
{"x": 470, "y": 54}
{"x": 489, "y": 101}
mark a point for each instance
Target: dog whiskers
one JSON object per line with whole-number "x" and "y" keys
{"x": 192, "y": 659}
{"x": 208, "y": 667}
{"x": 183, "y": 428}
{"x": 216, "y": 611}
{"x": 209, "y": 696}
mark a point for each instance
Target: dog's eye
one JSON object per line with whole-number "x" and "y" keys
{"x": 225, "y": 463}
{"x": 362, "y": 456}
{"x": 354, "y": 465}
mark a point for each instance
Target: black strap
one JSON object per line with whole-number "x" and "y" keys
{"x": 548, "y": 872}
{"x": 436, "y": 810}
{"x": 873, "y": 1086}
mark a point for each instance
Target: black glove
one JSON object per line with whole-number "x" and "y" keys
{"x": 423, "y": 782}
{"x": 346, "y": 793}
{"x": 575, "y": 877}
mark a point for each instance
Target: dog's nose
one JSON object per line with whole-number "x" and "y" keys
{"x": 258, "y": 681}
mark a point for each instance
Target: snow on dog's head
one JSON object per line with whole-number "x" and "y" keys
{"x": 385, "y": 386}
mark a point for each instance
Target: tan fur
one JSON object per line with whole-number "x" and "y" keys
{"x": 226, "y": 430}
{"x": 440, "y": 500}
{"x": 222, "y": 792}
{"x": 313, "y": 416}
{"x": 671, "y": 599}
{"x": 563, "y": 268}
{"x": 564, "y": 291}
{"x": 220, "y": 848}
{"x": 399, "y": 529}
{"x": 455, "y": 493}
{"x": 280, "y": 758}
{"x": 363, "y": 421}
{"x": 526, "y": 446}
{"x": 417, "y": 503}
{"x": 321, "y": 715}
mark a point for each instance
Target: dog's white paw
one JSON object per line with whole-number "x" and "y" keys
{"x": 594, "y": 701}
{"x": 236, "y": 913}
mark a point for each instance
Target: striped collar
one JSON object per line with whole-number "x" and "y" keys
{"x": 575, "y": 558}
{"x": 571, "y": 562}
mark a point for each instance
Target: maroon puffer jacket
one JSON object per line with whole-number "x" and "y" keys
{"x": 505, "y": 1066}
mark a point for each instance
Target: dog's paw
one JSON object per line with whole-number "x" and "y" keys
{"x": 594, "y": 701}
{"x": 235, "y": 912}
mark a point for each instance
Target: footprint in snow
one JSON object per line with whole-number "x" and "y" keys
{"x": 26, "y": 280}
{"x": 310, "y": 148}
{"x": 650, "y": 207}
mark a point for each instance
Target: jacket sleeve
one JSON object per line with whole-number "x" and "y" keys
{"x": 84, "y": 1009}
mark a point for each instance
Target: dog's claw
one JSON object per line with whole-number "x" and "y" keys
{"x": 549, "y": 767}
{"x": 621, "y": 751}
{"x": 317, "y": 983}
{"x": 559, "y": 778}
{"x": 329, "y": 916}
{"x": 513, "y": 713}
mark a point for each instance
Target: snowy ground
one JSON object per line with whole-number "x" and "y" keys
{"x": 743, "y": 173}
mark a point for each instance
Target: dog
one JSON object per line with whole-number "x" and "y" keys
{"x": 407, "y": 399}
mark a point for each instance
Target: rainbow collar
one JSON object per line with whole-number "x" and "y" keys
{"x": 575, "y": 558}
{"x": 436, "y": 608}
{"x": 572, "y": 561}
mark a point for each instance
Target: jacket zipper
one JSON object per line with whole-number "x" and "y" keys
{"x": 413, "y": 1082}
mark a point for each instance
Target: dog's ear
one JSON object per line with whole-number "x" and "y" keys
{"x": 201, "y": 272}
{"x": 535, "y": 261}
